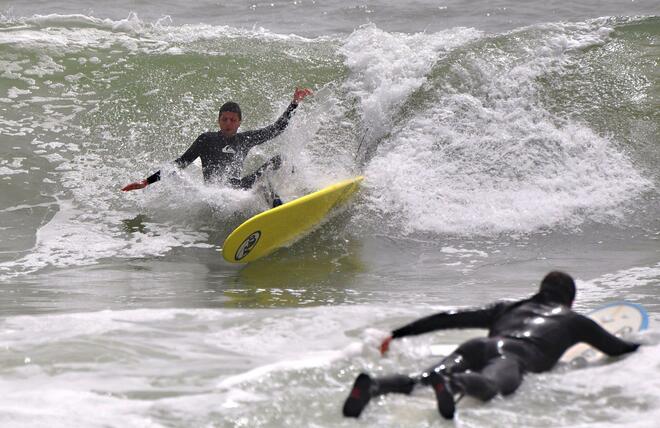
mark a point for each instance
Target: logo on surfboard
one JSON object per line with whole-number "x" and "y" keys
{"x": 247, "y": 245}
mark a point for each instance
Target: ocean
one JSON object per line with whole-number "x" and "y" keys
{"x": 499, "y": 141}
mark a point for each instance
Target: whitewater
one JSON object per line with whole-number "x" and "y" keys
{"x": 498, "y": 141}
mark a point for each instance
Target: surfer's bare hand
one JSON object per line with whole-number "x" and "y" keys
{"x": 300, "y": 94}
{"x": 385, "y": 346}
{"x": 134, "y": 186}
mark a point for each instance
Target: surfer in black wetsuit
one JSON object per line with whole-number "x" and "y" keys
{"x": 529, "y": 335}
{"x": 222, "y": 153}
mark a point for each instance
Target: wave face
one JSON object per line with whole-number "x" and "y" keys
{"x": 532, "y": 129}
{"x": 457, "y": 131}
{"x": 492, "y": 153}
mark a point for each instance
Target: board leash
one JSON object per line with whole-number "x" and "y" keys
{"x": 364, "y": 137}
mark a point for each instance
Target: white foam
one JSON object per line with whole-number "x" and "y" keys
{"x": 616, "y": 285}
{"x": 77, "y": 238}
{"x": 46, "y": 65}
{"x": 25, "y": 207}
{"x": 462, "y": 252}
{"x": 83, "y": 33}
{"x": 386, "y": 68}
{"x": 613, "y": 394}
{"x": 65, "y": 405}
{"x": 73, "y": 33}
{"x": 128, "y": 366}
{"x": 181, "y": 193}
{"x": 311, "y": 360}
{"x": 632, "y": 278}
{"x": 482, "y": 156}
{"x": 4, "y": 170}
{"x": 16, "y": 92}
{"x": 13, "y": 69}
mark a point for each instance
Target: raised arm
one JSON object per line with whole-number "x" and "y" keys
{"x": 260, "y": 136}
{"x": 183, "y": 161}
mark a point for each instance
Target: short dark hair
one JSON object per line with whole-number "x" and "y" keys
{"x": 558, "y": 287}
{"x": 231, "y": 107}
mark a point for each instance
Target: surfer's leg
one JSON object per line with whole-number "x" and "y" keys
{"x": 248, "y": 181}
{"x": 438, "y": 378}
{"x": 400, "y": 384}
{"x": 502, "y": 375}
{"x": 444, "y": 394}
{"x": 359, "y": 396}
{"x": 471, "y": 355}
{"x": 366, "y": 387}
{"x": 245, "y": 182}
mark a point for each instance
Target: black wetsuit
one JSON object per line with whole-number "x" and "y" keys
{"x": 525, "y": 336}
{"x": 222, "y": 157}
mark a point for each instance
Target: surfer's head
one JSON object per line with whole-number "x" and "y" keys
{"x": 229, "y": 118}
{"x": 558, "y": 287}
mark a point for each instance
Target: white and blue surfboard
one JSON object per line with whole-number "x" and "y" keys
{"x": 620, "y": 318}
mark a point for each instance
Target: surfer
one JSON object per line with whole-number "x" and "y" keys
{"x": 528, "y": 335}
{"x": 222, "y": 153}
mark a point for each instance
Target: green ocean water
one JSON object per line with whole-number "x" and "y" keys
{"x": 493, "y": 153}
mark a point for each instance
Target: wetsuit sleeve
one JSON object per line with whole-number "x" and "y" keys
{"x": 260, "y": 136}
{"x": 471, "y": 318}
{"x": 154, "y": 177}
{"x": 590, "y": 332}
{"x": 192, "y": 153}
{"x": 185, "y": 159}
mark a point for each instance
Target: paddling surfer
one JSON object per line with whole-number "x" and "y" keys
{"x": 222, "y": 153}
{"x": 528, "y": 335}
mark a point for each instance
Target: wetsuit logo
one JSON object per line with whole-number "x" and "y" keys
{"x": 247, "y": 245}
{"x": 228, "y": 149}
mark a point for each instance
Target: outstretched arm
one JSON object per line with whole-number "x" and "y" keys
{"x": 471, "y": 318}
{"x": 260, "y": 136}
{"x": 183, "y": 161}
{"x": 595, "y": 335}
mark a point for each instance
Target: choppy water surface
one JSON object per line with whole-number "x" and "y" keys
{"x": 498, "y": 142}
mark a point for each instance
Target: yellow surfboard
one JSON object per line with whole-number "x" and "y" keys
{"x": 272, "y": 229}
